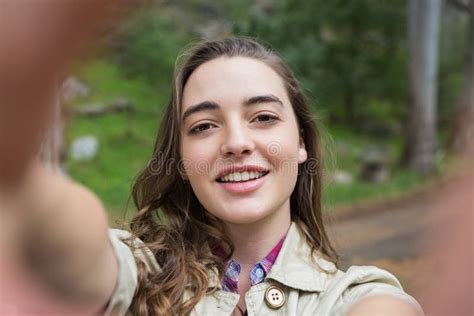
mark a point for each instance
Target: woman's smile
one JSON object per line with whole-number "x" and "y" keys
{"x": 243, "y": 182}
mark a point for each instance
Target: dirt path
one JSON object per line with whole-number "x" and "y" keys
{"x": 390, "y": 237}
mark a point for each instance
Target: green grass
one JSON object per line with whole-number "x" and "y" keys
{"x": 126, "y": 142}
{"x": 344, "y": 152}
{"x": 401, "y": 182}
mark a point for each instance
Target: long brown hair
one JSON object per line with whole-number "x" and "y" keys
{"x": 172, "y": 222}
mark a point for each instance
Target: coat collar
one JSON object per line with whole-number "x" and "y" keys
{"x": 296, "y": 268}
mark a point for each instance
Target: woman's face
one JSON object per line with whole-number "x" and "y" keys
{"x": 240, "y": 140}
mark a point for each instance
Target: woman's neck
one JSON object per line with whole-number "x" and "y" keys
{"x": 254, "y": 241}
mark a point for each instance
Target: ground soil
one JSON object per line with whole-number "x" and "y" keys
{"x": 389, "y": 234}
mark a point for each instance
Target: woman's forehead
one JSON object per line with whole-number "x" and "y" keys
{"x": 229, "y": 78}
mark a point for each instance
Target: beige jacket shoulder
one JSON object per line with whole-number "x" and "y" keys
{"x": 309, "y": 288}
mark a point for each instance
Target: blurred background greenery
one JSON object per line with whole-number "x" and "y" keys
{"x": 351, "y": 57}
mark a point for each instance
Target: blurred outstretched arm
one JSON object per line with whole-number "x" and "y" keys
{"x": 53, "y": 228}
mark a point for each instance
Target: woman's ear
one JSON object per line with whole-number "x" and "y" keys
{"x": 302, "y": 154}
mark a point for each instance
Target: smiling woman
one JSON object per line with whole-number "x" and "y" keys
{"x": 229, "y": 211}
{"x": 236, "y": 226}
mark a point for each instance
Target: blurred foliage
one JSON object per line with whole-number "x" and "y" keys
{"x": 347, "y": 53}
{"x": 146, "y": 45}
{"x": 350, "y": 56}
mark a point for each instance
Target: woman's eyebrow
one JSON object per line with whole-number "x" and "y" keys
{"x": 263, "y": 99}
{"x": 202, "y": 106}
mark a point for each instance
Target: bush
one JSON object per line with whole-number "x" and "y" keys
{"x": 146, "y": 47}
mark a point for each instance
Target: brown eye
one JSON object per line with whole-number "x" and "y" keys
{"x": 266, "y": 118}
{"x": 200, "y": 128}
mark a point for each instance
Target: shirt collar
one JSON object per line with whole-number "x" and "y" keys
{"x": 258, "y": 272}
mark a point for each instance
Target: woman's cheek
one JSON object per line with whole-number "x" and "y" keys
{"x": 197, "y": 159}
{"x": 281, "y": 149}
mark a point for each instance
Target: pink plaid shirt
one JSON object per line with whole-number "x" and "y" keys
{"x": 257, "y": 274}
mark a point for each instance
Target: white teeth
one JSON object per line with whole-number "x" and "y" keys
{"x": 241, "y": 176}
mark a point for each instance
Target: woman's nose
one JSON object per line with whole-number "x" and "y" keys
{"x": 237, "y": 142}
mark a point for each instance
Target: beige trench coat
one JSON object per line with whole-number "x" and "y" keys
{"x": 307, "y": 288}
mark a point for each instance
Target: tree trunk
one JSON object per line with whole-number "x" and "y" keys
{"x": 463, "y": 129}
{"x": 423, "y": 36}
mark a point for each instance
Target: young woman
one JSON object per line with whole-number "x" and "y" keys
{"x": 230, "y": 205}
{"x": 229, "y": 219}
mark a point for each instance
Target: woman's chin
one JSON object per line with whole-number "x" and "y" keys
{"x": 242, "y": 218}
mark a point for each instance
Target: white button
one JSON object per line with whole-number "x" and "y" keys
{"x": 274, "y": 297}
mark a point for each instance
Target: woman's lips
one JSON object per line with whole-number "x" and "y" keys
{"x": 244, "y": 186}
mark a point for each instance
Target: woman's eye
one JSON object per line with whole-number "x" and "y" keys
{"x": 266, "y": 118}
{"x": 200, "y": 128}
